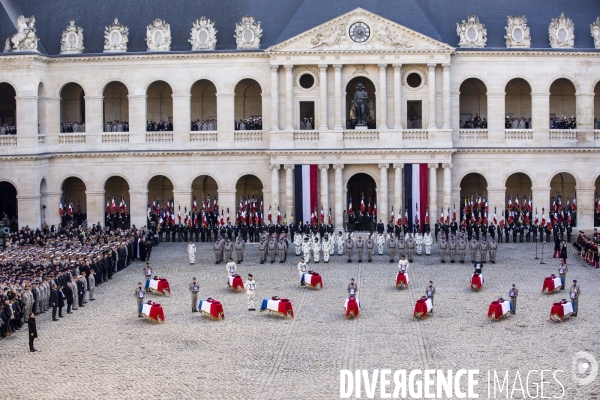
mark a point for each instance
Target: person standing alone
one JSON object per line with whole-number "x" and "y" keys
{"x": 32, "y": 332}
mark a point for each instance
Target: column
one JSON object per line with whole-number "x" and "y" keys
{"x": 43, "y": 115}
{"x": 448, "y": 186}
{"x": 323, "y": 168}
{"x": 540, "y": 197}
{"x": 446, "y": 97}
{"x": 289, "y": 97}
{"x": 137, "y": 123}
{"x": 274, "y": 97}
{"x": 27, "y": 121}
{"x": 94, "y": 117}
{"x": 496, "y": 115}
{"x": 382, "y": 208}
{"x": 433, "y": 207}
{"x": 289, "y": 189}
{"x": 53, "y": 116}
{"x": 338, "y": 97}
{"x": 227, "y": 200}
{"x": 431, "y": 97}
{"x": 323, "y": 97}
{"x": 540, "y": 115}
{"x": 398, "y": 96}
{"x": 226, "y": 123}
{"x": 382, "y": 97}
{"x": 585, "y": 116}
{"x": 497, "y": 198}
{"x": 274, "y": 186}
{"x": 95, "y": 207}
{"x": 585, "y": 207}
{"x": 183, "y": 198}
{"x": 182, "y": 112}
{"x": 138, "y": 199}
{"x": 29, "y": 206}
{"x": 398, "y": 190}
{"x": 339, "y": 201}
{"x": 51, "y": 215}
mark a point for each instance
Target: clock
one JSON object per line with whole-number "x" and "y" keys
{"x": 359, "y": 32}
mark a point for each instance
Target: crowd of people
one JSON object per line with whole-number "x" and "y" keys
{"x": 204, "y": 125}
{"x": 116, "y": 126}
{"x": 563, "y": 123}
{"x": 152, "y": 126}
{"x": 517, "y": 123}
{"x": 307, "y": 124}
{"x": 73, "y": 127}
{"x": 43, "y": 270}
{"x": 414, "y": 123}
{"x": 249, "y": 124}
{"x": 474, "y": 123}
{"x": 7, "y": 129}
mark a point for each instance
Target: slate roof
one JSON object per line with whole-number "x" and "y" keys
{"x": 283, "y": 19}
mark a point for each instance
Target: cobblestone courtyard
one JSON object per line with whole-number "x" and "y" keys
{"x": 105, "y": 351}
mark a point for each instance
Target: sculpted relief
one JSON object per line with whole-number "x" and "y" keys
{"x": 25, "y": 39}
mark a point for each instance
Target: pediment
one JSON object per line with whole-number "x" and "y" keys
{"x": 339, "y": 34}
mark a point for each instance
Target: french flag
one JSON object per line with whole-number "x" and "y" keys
{"x": 416, "y": 192}
{"x": 306, "y": 191}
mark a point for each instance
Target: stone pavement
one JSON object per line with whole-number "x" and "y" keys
{"x": 105, "y": 351}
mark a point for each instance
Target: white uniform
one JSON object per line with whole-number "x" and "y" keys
{"x": 302, "y": 268}
{"x": 316, "y": 248}
{"x": 192, "y": 252}
{"x": 339, "y": 239}
{"x": 298, "y": 244}
{"x": 250, "y": 286}
{"x": 306, "y": 247}
{"x": 403, "y": 265}
{"x": 419, "y": 243}
{"x": 231, "y": 268}
{"x": 327, "y": 248}
{"x": 428, "y": 240}
{"x": 380, "y": 243}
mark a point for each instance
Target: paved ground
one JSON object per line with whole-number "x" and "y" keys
{"x": 105, "y": 351}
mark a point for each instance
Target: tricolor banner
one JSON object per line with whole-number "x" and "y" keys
{"x": 416, "y": 192}
{"x": 305, "y": 191}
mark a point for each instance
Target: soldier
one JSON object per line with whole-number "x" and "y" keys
{"x": 227, "y": 249}
{"x": 370, "y": 244}
{"x": 298, "y": 244}
{"x": 391, "y": 247}
{"x": 562, "y": 272}
{"x": 360, "y": 247}
{"x": 419, "y": 243}
{"x": 250, "y": 286}
{"x": 428, "y": 241}
{"x": 194, "y": 292}
{"x": 443, "y": 246}
{"x": 493, "y": 246}
{"x": 281, "y": 250}
{"x": 302, "y": 268}
{"x": 316, "y": 248}
{"x": 403, "y": 264}
{"x": 139, "y": 295}
{"x": 410, "y": 247}
{"x": 534, "y": 230}
{"x": 380, "y": 243}
{"x": 326, "y": 249}
{"x": 92, "y": 284}
{"x": 352, "y": 288}
{"x": 217, "y": 251}
{"x": 239, "y": 250}
{"x": 147, "y": 272}
{"x": 262, "y": 250}
{"x": 574, "y": 293}
{"x": 231, "y": 267}
{"x": 306, "y": 248}
{"x": 349, "y": 247}
{"x": 271, "y": 247}
{"x": 513, "y": 293}
{"x": 340, "y": 243}
{"x": 478, "y": 266}
{"x": 430, "y": 292}
{"x": 473, "y": 246}
{"x": 483, "y": 248}
{"x": 452, "y": 247}
{"x": 192, "y": 252}
{"x": 563, "y": 251}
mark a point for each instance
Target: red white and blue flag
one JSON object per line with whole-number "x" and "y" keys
{"x": 416, "y": 192}
{"x": 306, "y": 192}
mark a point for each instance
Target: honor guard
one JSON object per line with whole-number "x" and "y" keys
{"x": 403, "y": 264}
{"x": 410, "y": 247}
{"x": 326, "y": 249}
{"x": 562, "y": 272}
{"x": 298, "y": 244}
{"x": 262, "y": 250}
{"x": 231, "y": 267}
{"x": 316, "y": 248}
{"x": 192, "y": 252}
{"x": 442, "y": 247}
{"x": 483, "y": 249}
{"x": 493, "y": 247}
{"x": 513, "y": 293}
{"x": 139, "y": 295}
{"x": 352, "y": 288}
{"x": 349, "y": 247}
{"x": 428, "y": 241}
{"x": 250, "y": 286}
{"x": 462, "y": 249}
{"x": 194, "y": 292}
{"x": 306, "y": 248}
{"x": 419, "y": 243}
{"x": 380, "y": 243}
{"x": 360, "y": 247}
{"x": 217, "y": 250}
{"x": 370, "y": 244}
{"x": 271, "y": 248}
{"x": 473, "y": 246}
{"x": 340, "y": 242}
{"x": 430, "y": 292}
{"x": 391, "y": 247}
{"x": 282, "y": 249}
{"x": 302, "y": 267}
{"x": 452, "y": 248}
{"x": 574, "y": 293}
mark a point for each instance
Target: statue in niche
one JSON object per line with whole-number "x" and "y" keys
{"x": 361, "y": 104}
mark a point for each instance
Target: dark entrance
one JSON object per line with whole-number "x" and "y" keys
{"x": 307, "y": 115}
{"x": 361, "y": 185}
{"x": 8, "y": 200}
{"x": 414, "y": 114}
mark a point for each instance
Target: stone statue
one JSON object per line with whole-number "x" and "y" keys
{"x": 25, "y": 39}
{"x": 361, "y": 104}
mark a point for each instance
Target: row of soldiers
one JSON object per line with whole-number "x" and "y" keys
{"x": 116, "y": 126}
{"x": 588, "y": 249}
{"x": 152, "y": 126}
{"x": 204, "y": 125}
{"x": 7, "y": 129}
{"x": 73, "y": 127}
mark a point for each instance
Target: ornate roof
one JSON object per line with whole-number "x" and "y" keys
{"x": 283, "y": 20}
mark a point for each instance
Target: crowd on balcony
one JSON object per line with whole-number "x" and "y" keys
{"x": 159, "y": 126}
{"x": 414, "y": 123}
{"x": 474, "y": 123}
{"x": 563, "y": 123}
{"x": 249, "y": 124}
{"x": 351, "y": 123}
{"x": 204, "y": 125}
{"x": 517, "y": 123}
{"x": 307, "y": 124}
{"x": 7, "y": 129}
{"x": 596, "y": 123}
{"x": 116, "y": 126}
{"x": 73, "y": 127}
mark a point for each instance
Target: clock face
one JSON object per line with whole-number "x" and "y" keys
{"x": 359, "y": 32}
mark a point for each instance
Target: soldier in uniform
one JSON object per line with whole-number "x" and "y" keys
{"x": 443, "y": 245}
{"x": 239, "y": 250}
{"x": 262, "y": 250}
{"x": 493, "y": 246}
{"x": 574, "y": 293}
{"x": 391, "y": 247}
{"x": 428, "y": 241}
{"x": 419, "y": 242}
{"x": 194, "y": 292}
{"x": 430, "y": 292}
{"x": 139, "y": 295}
{"x": 306, "y": 248}
{"x": 281, "y": 250}
{"x": 410, "y": 247}
{"x": 380, "y": 243}
{"x": 250, "y": 286}
{"x": 227, "y": 250}
{"x": 340, "y": 243}
{"x": 316, "y": 248}
{"x": 562, "y": 273}
{"x": 349, "y": 247}
{"x": 483, "y": 248}
{"x": 513, "y": 293}
{"x": 271, "y": 247}
{"x": 302, "y": 268}
{"x": 230, "y": 267}
{"x": 298, "y": 243}
{"x": 326, "y": 249}
{"x": 473, "y": 246}
{"x": 217, "y": 251}
{"x": 370, "y": 244}
{"x": 452, "y": 247}
{"x": 352, "y": 288}
{"x": 192, "y": 252}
